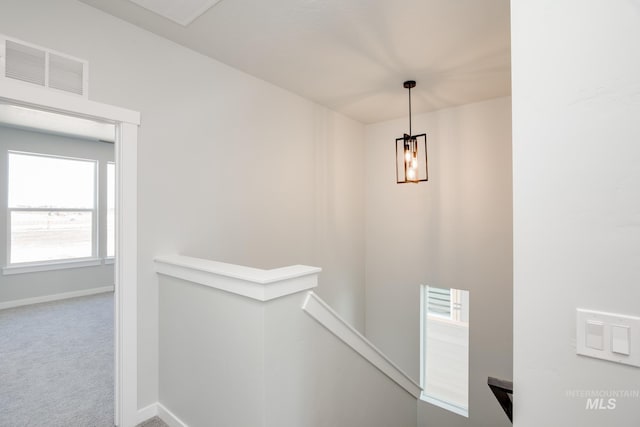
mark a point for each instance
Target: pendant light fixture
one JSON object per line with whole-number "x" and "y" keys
{"x": 411, "y": 152}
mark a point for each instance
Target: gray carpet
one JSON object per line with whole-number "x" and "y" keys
{"x": 56, "y": 363}
{"x": 153, "y": 422}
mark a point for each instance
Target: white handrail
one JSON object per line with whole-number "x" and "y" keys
{"x": 255, "y": 283}
{"x": 327, "y": 317}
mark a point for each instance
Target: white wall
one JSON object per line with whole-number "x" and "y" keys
{"x": 228, "y": 360}
{"x": 313, "y": 379}
{"x": 44, "y": 283}
{"x": 452, "y": 231}
{"x": 230, "y": 168}
{"x": 211, "y": 355}
{"x": 576, "y": 151}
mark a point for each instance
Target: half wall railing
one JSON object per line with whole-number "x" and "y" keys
{"x": 249, "y": 347}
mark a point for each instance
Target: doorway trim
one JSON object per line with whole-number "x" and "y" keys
{"x": 126, "y": 265}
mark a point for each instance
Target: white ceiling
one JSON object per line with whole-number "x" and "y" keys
{"x": 183, "y": 12}
{"x": 353, "y": 55}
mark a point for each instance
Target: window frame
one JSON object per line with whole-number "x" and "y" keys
{"x": 109, "y": 259}
{"x": 454, "y": 317}
{"x": 54, "y": 264}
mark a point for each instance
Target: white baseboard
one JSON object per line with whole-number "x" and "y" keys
{"x": 54, "y": 297}
{"x": 169, "y": 417}
{"x": 147, "y": 412}
{"x": 158, "y": 409}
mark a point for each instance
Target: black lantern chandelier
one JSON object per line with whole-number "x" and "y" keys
{"x": 411, "y": 152}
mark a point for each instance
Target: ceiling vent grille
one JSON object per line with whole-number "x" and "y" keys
{"x": 43, "y": 67}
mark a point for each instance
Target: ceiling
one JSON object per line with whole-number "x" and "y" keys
{"x": 353, "y": 55}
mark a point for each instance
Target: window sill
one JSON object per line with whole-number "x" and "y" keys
{"x": 47, "y": 266}
{"x": 445, "y": 405}
{"x": 109, "y": 260}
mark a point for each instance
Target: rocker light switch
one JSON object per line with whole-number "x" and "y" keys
{"x": 620, "y": 339}
{"x": 594, "y": 335}
{"x": 608, "y": 336}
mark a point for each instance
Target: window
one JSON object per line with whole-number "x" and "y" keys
{"x": 111, "y": 209}
{"x": 51, "y": 208}
{"x": 445, "y": 348}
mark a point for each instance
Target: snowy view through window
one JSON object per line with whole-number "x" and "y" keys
{"x": 51, "y": 208}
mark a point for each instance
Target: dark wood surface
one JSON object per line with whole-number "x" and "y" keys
{"x": 503, "y": 391}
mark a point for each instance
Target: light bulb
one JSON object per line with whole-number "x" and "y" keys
{"x": 407, "y": 156}
{"x": 414, "y": 163}
{"x": 411, "y": 174}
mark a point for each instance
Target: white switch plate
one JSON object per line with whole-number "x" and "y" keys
{"x": 627, "y": 328}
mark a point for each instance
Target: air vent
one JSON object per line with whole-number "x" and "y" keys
{"x": 43, "y": 67}
{"x": 65, "y": 74}
{"x": 25, "y": 63}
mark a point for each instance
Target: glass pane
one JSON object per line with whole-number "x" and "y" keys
{"x": 446, "y": 345}
{"x": 50, "y": 182}
{"x": 111, "y": 209}
{"x": 51, "y": 235}
{"x": 438, "y": 301}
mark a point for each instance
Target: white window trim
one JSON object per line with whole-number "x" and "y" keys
{"x": 24, "y": 267}
{"x": 105, "y": 246}
{"x": 32, "y": 267}
{"x": 444, "y": 405}
{"x": 463, "y": 411}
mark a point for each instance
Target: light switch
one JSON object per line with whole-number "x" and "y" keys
{"x": 594, "y": 335}
{"x": 608, "y": 336}
{"x": 620, "y": 339}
